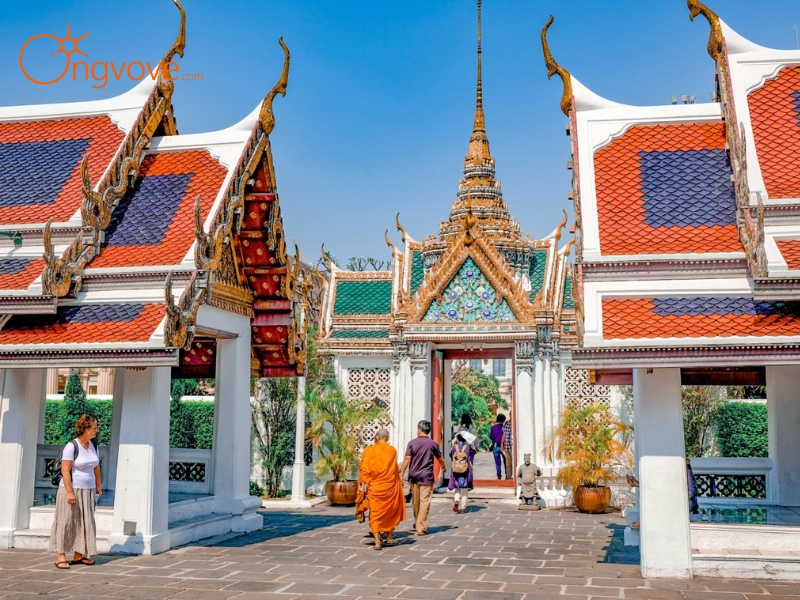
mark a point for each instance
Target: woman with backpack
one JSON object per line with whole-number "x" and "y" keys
{"x": 461, "y": 456}
{"x": 73, "y": 526}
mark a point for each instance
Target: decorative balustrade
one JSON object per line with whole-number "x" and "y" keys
{"x": 742, "y": 479}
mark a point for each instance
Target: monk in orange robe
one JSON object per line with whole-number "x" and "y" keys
{"x": 384, "y": 489}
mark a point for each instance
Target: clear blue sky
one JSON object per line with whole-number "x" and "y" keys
{"x": 381, "y": 94}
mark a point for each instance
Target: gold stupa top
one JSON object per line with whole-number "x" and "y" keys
{"x": 479, "y": 183}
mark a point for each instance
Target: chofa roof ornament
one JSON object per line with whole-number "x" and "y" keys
{"x": 266, "y": 117}
{"x": 715, "y": 37}
{"x": 553, "y": 68}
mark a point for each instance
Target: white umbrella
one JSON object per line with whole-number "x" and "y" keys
{"x": 468, "y": 437}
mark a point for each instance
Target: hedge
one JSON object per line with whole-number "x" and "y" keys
{"x": 742, "y": 430}
{"x": 200, "y": 415}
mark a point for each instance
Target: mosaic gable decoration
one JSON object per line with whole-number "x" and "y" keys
{"x": 468, "y": 298}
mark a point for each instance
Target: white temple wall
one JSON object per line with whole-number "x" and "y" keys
{"x": 21, "y": 404}
{"x": 526, "y": 436}
{"x": 783, "y": 414}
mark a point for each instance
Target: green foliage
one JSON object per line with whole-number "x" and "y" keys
{"x": 72, "y": 407}
{"x": 255, "y": 489}
{"x": 181, "y": 419}
{"x": 462, "y": 401}
{"x": 742, "y": 429}
{"x": 336, "y": 422}
{"x": 273, "y": 416}
{"x": 203, "y": 420}
{"x": 588, "y": 440}
{"x": 701, "y": 404}
{"x": 484, "y": 386}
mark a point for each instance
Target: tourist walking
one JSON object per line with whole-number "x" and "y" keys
{"x": 73, "y": 528}
{"x": 507, "y": 446}
{"x": 496, "y": 436}
{"x": 420, "y": 454}
{"x": 461, "y": 457}
{"x": 379, "y": 478}
{"x": 467, "y": 426}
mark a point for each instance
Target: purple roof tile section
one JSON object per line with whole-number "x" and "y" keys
{"x": 709, "y": 306}
{"x": 144, "y": 216}
{"x": 796, "y": 102}
{"x": 12, "y": 266}
{"x": 101, "y": 313}
{"x": 23, "y": 163}
{"x": 687, "y": 188}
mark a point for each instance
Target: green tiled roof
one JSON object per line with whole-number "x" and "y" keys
{"x": 569, "y": 303}
{"x": 417, "y": 272}
{"x": 536, "y": 272}
{"x": 365, "y": 333}
{"x": 363, "y": 298}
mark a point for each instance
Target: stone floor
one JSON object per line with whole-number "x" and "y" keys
{"x": 493, "y": 552}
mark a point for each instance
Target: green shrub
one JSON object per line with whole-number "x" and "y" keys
{"x": 255, "y": 489}
{"x": 72, "y": 407}
{"x": 203, "y": 419}
{"x": 742, "y": 430}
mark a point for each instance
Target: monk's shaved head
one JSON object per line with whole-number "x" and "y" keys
{"x": 382, "y": 434}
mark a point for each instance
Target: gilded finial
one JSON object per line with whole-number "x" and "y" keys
{"x": 568, "y": 246}
{"x": 553, "y": 68}
{"x": 561, "y": 226}
{"x": 180, "y": 42}
{"x": 715, "y": 35}
{"x": 400, "y": 227}
{"x": 266, "y": 116}
{"x": 389, "y": 243}
{"x": 478, "y": 142}
{"x": 326, "y": 258}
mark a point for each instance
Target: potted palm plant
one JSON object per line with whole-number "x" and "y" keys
{"x": 336, "y": 426}
{"x": 588, "y": 441}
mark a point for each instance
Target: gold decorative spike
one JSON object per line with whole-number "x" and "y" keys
{"x": 715, "y": 35}
{"x": 561, "y": 226}
{"x": 478, "y": 142}
{"x": 266, "y": 117}
{"x": 553, "y": 68}
{"x": 400, "y": 227}
{"x": 390, "y": 244}
{"x": 326, "y": 258}
{"x": 568, "y": 246}
{"x": 164, "y": 84}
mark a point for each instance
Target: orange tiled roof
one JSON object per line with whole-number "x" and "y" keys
{"x": 666, "y": 189}
{"x": 775, "y": 117}
{"x": 790, "y": 250}
{"x": 40, "y": 173}
{"x": 19, "y": 274}
{"x": 85, "y": 324}
{"x": 154, "y": 223}
{"x": 699, "y": 317}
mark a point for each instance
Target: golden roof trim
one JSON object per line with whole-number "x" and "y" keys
{"x": 553, "y": 68}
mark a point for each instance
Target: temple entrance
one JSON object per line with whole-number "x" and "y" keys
{"x": 479, "y": 385}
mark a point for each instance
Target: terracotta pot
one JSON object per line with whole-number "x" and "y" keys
{"x": 591, "y": 499}
{"x": 341, "y": 492}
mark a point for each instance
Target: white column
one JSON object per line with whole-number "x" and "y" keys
{"x": 546, "y": 400}
{"x": 666, "y": 549}
{"x": 141, "y": 499}
{"x": 299, "y": 467}
{"x": 404, "y": 430}
{"x": 116, "y": 420}
{"x": 232, "y": 421}
{"x": 524, "y": 405}
{"x": 658, "y": 412}
{"x": 21, "y": 402}
{"x": 105, "y": 382}
{"x": 52, "y": 381}
{"x": 783, "y": 414}
{"x": 538, "y": 409}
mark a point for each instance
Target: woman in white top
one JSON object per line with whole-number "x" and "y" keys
{"x": 73, "y": 526}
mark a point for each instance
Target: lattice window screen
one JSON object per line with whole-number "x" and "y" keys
{"x": 579, "y": 392}
{"x": 374, "y": 385}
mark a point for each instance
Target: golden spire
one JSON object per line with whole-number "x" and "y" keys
{"x": 478, "y": 142}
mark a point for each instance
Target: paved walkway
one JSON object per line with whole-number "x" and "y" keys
{"x": 493, "y": 552}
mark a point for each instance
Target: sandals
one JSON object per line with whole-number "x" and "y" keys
{"x": 62, "y": 562}
{"x": 82, "y": 561}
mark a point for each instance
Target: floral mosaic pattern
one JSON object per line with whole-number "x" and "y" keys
{"x": 469, "y": 298}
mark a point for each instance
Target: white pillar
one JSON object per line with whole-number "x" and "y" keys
{"x": 105, "y": 382}
{"x": 232, "y": 422}
{"x": 299, "y": 467}
{"x": 526, "y": 440}
{"x": 141, "y": 499}
{"x": 52, "y": 382}
{"x": 546, "y": 400}
{"x": 666, "y": 549}
{"x": 658, "y": 412}
{"x": 116, "y": 420}
{"x": 783, "y": 414}
{"x": 538, "y": 409}
{"x": 21, "y": 402}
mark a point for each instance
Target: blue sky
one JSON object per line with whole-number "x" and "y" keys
{"x": 381, "y": 93}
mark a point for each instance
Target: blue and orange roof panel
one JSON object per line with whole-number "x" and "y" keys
{"x": 666, "y": 189}
{"x": 19, "y": 273}
{"x": 86, "y": 324}
{"x": 790, "y": 250}
{"x": 698, "y": 317}
{"x": 153, "y": 224}
{"x": 775, "y": 118}
{"x": 40, "y": 163}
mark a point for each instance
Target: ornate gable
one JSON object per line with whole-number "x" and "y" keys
{"x": 471, "y": 250}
